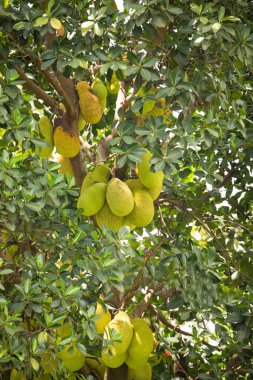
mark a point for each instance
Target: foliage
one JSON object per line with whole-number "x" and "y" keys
{"x": 190, "y": 271}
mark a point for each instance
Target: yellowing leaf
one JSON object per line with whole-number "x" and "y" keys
{"x": 55, "y": 23}
{"x": 34, "y": 364}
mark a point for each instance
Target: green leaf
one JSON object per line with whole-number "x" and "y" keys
{"x": 40, "y": 21}
{"x": 131, "y": 71}
{"x": 34, "y": 364}
{"x": 146, "y": 75}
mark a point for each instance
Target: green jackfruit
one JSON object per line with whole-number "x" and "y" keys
{"x": 113, "y": 361}
{"x": 99, "y": 89}
{"x": 92, "y": 199}
{"x": 143, "y": 340}
{"x": 135, "y": 184}
{"x": 143, "y": 211}
{"x": 72, "y": 359}
{"x": 148, "y": 178}
{"x": 144, "y": 373}
{"x": 46, "y": 129}
{"x": 87, "y": 182}
{"x": 113, "y": 86}
{"x": 123, "y": 327}
{"x": 89, "y": 103}
{"x": 106, "y": 217}
{"x": 124, "y": 316}
{"x": 136, "y": 363}
{"x": 101, "y": 173}
{"x": 81, "y": 122}
{"x": 119, "y": 197}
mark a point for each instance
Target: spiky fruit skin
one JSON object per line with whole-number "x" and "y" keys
{"x": 107, "y": 218}
{"x": 148, "y": 178}
{"x": 119, "y": 197}
{"x": 113, "y": 361}
{"x": 81, "y": 122}
{"x": 46, "y": 129}
{"x": 135, "y": 184}
{"x": 105, "y": 318}
{"x": 72, "y": 360}
{"x": 89, "y": 103}
{"x": 101, "y": 173}
{"x": 144, "y": 373}
{"x": 143, "y": 211}
{"x": 92, "y": 199}
{"x": 66, "y": 165}
{"x": 113, "y": 86}
{"x": 120, "y": 326}
{"x": 143, "y": 340}
{"x": 66, "y": 143}
{"x": 99, "y": 89}
{"x": 134, "y": 363}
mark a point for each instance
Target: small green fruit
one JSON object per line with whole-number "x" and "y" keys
{"x": 92, "y": 199}
{"x": 148, "y": 178}
{"x": 107, "y": 218}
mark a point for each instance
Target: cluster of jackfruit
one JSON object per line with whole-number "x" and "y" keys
{"x": 116, "y": 203}
{"x": 133, "y": 348}
{"x": 92, "y": 100}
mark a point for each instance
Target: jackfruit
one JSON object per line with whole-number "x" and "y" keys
{"x": 92, "y": 199}
{"x": 135, "y": 184}
{"x": 122, "y": 315}
{"x": 17, "y": 375}
{"x": 72, "y": 359}
{"x": 66, "y": 165}
{"x": 144, "y": 373}
{"x": 136, "y": 363}
{"x": 148, "y": 178}
{"x": 119, "y": 326}
{"x": 106, "y": 217}
{"x": 93, "y": 361}
{"x": 66, "y": 143}
{"x": 143, "y": 211}
{"x": 87, "y": 182}
{"x": 101, "y": 173}
{"x": 49, "y": 363}
{"x": 128, "y": 223}
{"x": 89, "y": 103}
{"x": 143, "y": 340}
{"x": 113, "y": 361}
{"x": 113, "y": 86}
{"x": 105, "y": 318}
{"x": 156, "y": 191}
{"x": 44, "y": 152}
{"x": 119, "y": 197}
{"x": 81, "y": 122}
{"x": 99, "y": 89}
{"x": 46, "y": 129}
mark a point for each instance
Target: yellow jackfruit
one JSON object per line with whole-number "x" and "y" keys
{"x": 143, "y": 211}
{"x": 66, "y": 165}
{"x": 113, "y": 361}
{"x": 119, "y": 326}
{"x": 46, "y": 129}
{"x": 119, "y": 197}
{"x": 72, "y": 359}
{"x": 136, "y": 363}
{"x": 148, "y": 178}
{"x": 143, "y": 340}
{"x": 105, "y": 318}
{"x": 101, "y": 173}
{"x": 113, "y": 86}
{"x": 106, "y": 217}
{"x": 89, "y": 103}
{"x": 122, "y": 315}
{"x": 92, "y": 199}
{"x": 87, "y": 182}
{"x": 144, "y": 373}
{"x": 80, "y": 122}
{"x": 66, "y": 143}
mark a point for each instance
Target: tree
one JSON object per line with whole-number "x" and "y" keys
{"x": 181, "y": 74}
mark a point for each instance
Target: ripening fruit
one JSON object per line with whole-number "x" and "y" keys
{"x": 113, "y": 361}
{"x": 120, "y": 326}
{"x": 92, "y": 199}
{"x": 123, "y": 315}
{"x": 66, "y": 143}
{"x": 136, "y": 363}
{"x": 106, "y": 217}
{"x": 46, "y": 129}
{"x": 89, "y": 103}
{"x": 113, "y": 86}
{"x": 99, "y": 89}
{"x": 148, "y": 178}
{"x": 101, "y": 173}
{"x": 81, "y": 122}
{"x": 72, "y": 359}
{"x": 144, "y": 373}
{"x": 66, "y": 165}
{"x": 143, "y": 211}
{"x": 105, "y": 318}
{"x": 143, "y": 340}
{"x": 17, "y": 375}
{"x": 119, "y": 197}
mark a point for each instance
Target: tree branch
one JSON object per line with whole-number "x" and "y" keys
{"x": 35, "y": 89}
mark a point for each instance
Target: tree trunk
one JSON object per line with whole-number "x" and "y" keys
{"x": 120, "y": 373}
